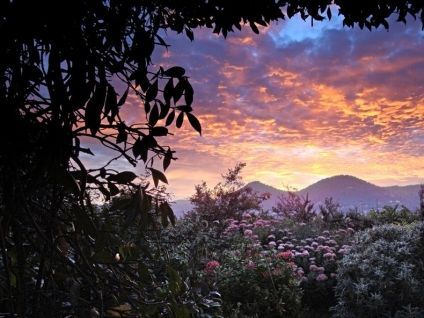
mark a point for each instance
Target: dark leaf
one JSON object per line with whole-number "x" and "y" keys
{"x": 254, "y": 27}
{"x": 152, "y": 91}
{"x": 185, "y": 108}
{"x": 94, "y": 108}
{"x": 154, "y": 115}
{"x": 168, "y": 91}
{"x": 167, "y": 160}
{"x": 194, "y": 122}
{"x": 188, "y": 92}
{"x": 86, "y": 150}
{"x": 111, "y": 104}
{"x": 122, "y": 137}
{"x": 158, "y": 176}
{"x": 175, "y": 71}
{"x": 159, "y": 131}
{"x": 123, "y": 177}
{"x": 164, "y": 109}
{"x": 189, "y": 34}
{"x": 123, "y": 98}
{"x": 180, "y": 120}
{"x": 166, "y": 210}
{"x": 140, "y": 149}
{"x": 113, "y": 189}
{"x": 170, "y": 118}
{"x": 329, "y": 13}
{"x": 178, "y": 91}
{"x": 147, "y": 107}
{"x": 103, "y": 173}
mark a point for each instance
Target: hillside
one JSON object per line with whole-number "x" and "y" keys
{"x": 349, "y": 191}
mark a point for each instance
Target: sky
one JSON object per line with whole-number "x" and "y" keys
{"x": 298, "y": 104}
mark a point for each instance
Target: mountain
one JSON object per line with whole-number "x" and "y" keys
{"x": 348, "y": 191}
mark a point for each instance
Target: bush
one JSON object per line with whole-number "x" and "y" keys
{"x": 383, "y": 274}
{"x": 261, "y": 285}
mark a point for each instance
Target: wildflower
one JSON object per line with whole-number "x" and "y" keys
{"x": 248, "y": 232}
{"x": 211, "y": 266}
{"x": 251, "y": 265}
{"x": 333, "y": 275}
{"x": 305, "y": 253}
{"x": 321, "y": 277}
{"x": 246, "y": 215}
{"x": 313, "y": 268}
{"x": 271, "y": 237}
{"x": 329, "y": 255}
{"x": 272, "y": 244}
{"x": 287, "y": 255}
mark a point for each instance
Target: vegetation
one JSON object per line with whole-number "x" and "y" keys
{"x": 66, "y": 71}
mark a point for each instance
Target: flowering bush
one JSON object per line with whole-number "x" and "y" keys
{"x": 383, "y": 275}
{"x": 258, "y": 284}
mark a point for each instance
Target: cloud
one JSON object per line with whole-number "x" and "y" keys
{"x": 299, "y": 104}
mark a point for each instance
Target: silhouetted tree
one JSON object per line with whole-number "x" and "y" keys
{"x": 66, "y": 70}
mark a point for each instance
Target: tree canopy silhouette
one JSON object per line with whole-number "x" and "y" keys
{"x": 66, "y": 71}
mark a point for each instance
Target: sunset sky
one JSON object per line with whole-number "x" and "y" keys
{"x": 300, "y": 103}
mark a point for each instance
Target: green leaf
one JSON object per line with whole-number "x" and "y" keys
{"x": 194, "y": 122}
{"x": 123, "y": 177}
{"x": 175, "y": 282}
{"x": 175, "y": 71}
{"x": 158, "y": 176}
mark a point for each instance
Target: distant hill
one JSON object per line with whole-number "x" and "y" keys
{"x": 348, "y": 191}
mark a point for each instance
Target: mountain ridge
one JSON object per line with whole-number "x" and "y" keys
{"x": 349, "y": 191}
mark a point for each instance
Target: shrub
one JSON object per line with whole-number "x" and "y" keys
{"x": 261, "y": 285}
{"x": 383, "y": 274}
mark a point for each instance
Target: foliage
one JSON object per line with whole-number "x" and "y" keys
{"x": 293, "y": 206}
{"x": 257, "y": 285}
{"x": 383, "y": 274}
{"x": 393, "y": 215}
{"x": 228, "y": 199}
{"x": 67, "y": 69}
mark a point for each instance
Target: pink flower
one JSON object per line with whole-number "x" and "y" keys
{"x": 288, "y": 255}
{"x": 272, "y": 244}
{"x": 251, "y": 265}
{"x": 329, "y": 255}
{"x": 321, "y": 277}
{"x": 248, "y": 233}
{"x": 313, "y": 268}
{"x": 211, "y": 266}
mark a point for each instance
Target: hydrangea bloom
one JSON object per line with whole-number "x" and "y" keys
{"x": 211, "y": 266}
{"x": 321, "y": 277}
